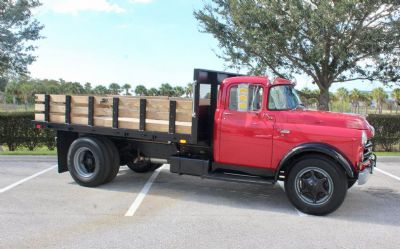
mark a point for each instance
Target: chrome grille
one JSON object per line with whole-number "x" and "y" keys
{"x": 367, "y": 150}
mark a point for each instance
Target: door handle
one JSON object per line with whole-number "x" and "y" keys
{"x": 283, "y": 132}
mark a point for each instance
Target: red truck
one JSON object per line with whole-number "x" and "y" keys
{"x": 243, "y": 129}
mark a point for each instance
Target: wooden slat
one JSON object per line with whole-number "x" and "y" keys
{"x": 79, "y": 120}
{"x": 54, "y": 118}
{"x": 57, "y": 108}
{"x": 102, "y": 111}
{"x": 183, "y": 129}
{"x": 105, "y": 101}
{"x": 158, "y": 115}
{"x": 129, "y": 113}
{"x": 39, "y": 107}
{"x": 79, "y": 100}
{"x": 79, "y": 110}
{"x": 103, "y": 122}
{"x": 126, "y": 124}
{"x": 159, "y": 104}
{"x": 57, "y": 98}
{"x": 129, "y": 103}
{"x": 39, "y": 97}
{"x": 184, "y": 105}
{"x": 39, "y": 116}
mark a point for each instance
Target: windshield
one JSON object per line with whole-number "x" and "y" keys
{"x": 283, "y": 97}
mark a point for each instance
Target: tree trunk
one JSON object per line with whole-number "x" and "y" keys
{"x": 323, "y": 99}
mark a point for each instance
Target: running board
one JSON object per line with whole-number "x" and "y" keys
{"x": 229, "y": 177}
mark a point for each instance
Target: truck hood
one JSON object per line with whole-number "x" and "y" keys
{"x": 322, "y": 118}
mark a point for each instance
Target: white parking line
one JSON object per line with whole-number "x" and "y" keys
{"x": 26, "y": 179}
{"x": 139, "y": 199}
{"x": 282, "y": 185}
{"x": 388, "y": 174}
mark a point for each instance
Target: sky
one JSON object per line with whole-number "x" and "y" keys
{"x": 129, "y": 41}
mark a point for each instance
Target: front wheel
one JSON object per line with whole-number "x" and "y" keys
{"x": 316, "y": 185}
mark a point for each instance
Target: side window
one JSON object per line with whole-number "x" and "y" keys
{"x": 245, "y": 97}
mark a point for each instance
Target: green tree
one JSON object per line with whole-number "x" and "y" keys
{"x": 88, "y": 88}
{"x": 355, "y": 97}
{"x": 189, "y": 90}
{"x": 141, "y": 90}
{"x": 166, "y": 90}
{"x": 396, "y": 97}
{"x": 13, "y": 90}
{"x": 27, "y": 90}
{"x": 127, "y": 88}
{"x": 178, "y": 91}
{"x": 342, "y": 95}
{"x": 100, "y": 90}
{"x": 309, "y": 97}
{"x": 153, "y": 92}
{"x": 379, "y": 96}
{"x": 18, "y": 30}
{"x": 114, "y": 89}
{"x": 328, "y": 40}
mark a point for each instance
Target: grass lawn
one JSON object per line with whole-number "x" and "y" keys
{"x": 387, "y": 153}
{"x": 42, "y": 151}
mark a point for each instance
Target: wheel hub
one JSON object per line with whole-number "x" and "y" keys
{"x": 314, "y": 186}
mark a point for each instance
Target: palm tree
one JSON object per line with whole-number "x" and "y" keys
{"x": 26, "y": 92}
{"x": 189, "y": 90}
{"x": 153, "y": 92}
{"x": 127, "y": 88}
{"x": 166, "y": 90}
{"x": 178, "y": 91}
{"x": 12, "y": 89}
{"x": 396, "y": 98}
{"x": 354, "y": 97}
{"x": 342, "y": 94}
{"x": 141, "y": 90}
{"x": 366, "y": 98}
{"x": 114, "y": 88}
{"x": 379, "y": 96}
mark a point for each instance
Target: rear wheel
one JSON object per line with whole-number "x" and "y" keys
{"x": 88, "y": 161}
{"x": 141, "y": 165}
{"x": 115, "y": 159}
{"x": 316, "y": 185}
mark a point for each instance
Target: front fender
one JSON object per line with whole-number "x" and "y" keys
{"x": 318, "y": 148}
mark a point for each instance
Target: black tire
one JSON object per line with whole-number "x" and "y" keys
{"x": 141, "y": 167}
{"x": 316, "y": 185}
{"x": 115, "y": 159}
{"x": 88, "y": 161}
{"x": 351, "y": 182}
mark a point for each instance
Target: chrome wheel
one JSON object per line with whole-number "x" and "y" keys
{"x": 84, "y": 162}
{"x": 314, "y": 186}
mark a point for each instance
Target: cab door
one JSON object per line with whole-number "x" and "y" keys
{"x": 246, "y": 129}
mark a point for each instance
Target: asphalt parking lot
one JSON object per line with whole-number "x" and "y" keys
{"x": 43, "y": 209}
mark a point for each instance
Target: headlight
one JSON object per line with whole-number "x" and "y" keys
{"x": 364, "y": 138}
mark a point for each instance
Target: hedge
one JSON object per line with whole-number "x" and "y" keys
{"x": 387, "y": 130}
{"x": 17, "y": 130}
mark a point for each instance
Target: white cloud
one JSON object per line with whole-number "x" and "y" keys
{"x": 76, "y": 6}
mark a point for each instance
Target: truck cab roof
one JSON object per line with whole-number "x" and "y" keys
{"x": 256, "y": 80}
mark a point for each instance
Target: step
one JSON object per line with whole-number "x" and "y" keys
{"x": 230, "y": 177}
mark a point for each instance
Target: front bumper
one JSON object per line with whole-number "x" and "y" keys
{"x": 364, "y": 175}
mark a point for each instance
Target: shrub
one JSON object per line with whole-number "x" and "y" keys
{"x": 16, "y": 129}
{"x": 387, "y": 130}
